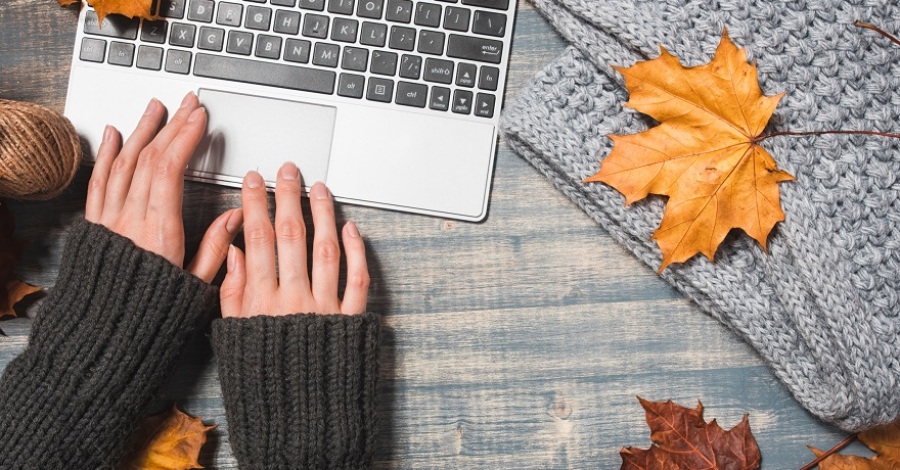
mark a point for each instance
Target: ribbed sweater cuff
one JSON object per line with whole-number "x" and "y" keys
{"x": 102, "y": 343}
{"x": 299, "y": 390}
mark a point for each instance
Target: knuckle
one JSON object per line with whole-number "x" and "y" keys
{"x": 359, "y": 281}
{"x": 148, "y": 154}
{"x": 96, "y": 185}
{"x": 259, "y": 235}
{"x": 291, "y": 230}
{"x": 120, "y": 165}
{"x": 327, "y": 250}
{"x": 165, "y": 168}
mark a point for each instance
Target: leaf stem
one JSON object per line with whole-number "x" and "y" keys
{"x": 877, "y": 30}
{"x": 840, "y": 445}
{"x": 798, "y": 134}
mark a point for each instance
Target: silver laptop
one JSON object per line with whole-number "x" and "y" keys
{"x": 392, "y": 103}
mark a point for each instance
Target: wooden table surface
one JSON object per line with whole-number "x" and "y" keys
{"x": 519, "y": 342}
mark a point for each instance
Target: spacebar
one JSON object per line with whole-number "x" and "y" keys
{"x": 264, "y": 73}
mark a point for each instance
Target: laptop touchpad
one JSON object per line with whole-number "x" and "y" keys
{"x": 248, "y": 132}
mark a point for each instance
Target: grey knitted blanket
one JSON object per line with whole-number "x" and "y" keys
{"x": 822, "y": 307}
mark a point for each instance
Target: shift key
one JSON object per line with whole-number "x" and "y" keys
{"x": 474, "y": 48}
{"x": 264, "y": 73}
{"x": 114, "y": 26}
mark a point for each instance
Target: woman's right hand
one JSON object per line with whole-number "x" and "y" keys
{"x": 252, "y": 286}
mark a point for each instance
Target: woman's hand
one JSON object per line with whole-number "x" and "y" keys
{"x": 252, "y": 287}
{"x": 136, "y": 189}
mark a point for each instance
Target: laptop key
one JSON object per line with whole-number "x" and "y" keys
{"x": 370, "y": 9}
{"x": 494, "y": 4}
{"x": 456, "y": 19}
{"x": 149, "y": 58}
{"x": 154, "y": 31}
{"x": 344, "y": 30}
{"x": 182, "y": 34}
{"x": 439, "y": 71}
{"x": 121, "y": 53}
{"x": 317, "y": 5}
{"x": 402, "y": 38}
{"x": 171, "y": 8}
{"x": 211, "y": 39}
{"x": 201, "y": 10}
{"x": 343, "y": 7}
{"x": 258, "y": 18}
{"x": 484, "y": 105}
{"x": 462, "y": 102}
{"x": 326, "y": 54}
{"x": 315, "y": 26}
{"x": 239, "y": 42}
{"x": 410, "y": 66}
{"x": 474, "y": 48}
{"x": 383, "y": 63}
{"x": 411, "y": 94}
{"x": 440, "y": 98}
{"x": 488, "y": 78}
{"x": 489, "y": 23}
{"x": 373, "y": 34}
{"x": 399, "y": 11}
{"x": 178, "y": 61}
{"x": 380, "y": 89}
{"x": 287, "y": 22}
{"x": 355, "y": 58}
{"x": 268, "y": 47}
{"x": 229, "y": 14}
{"x": 428, "y": 14}
{"x": 465, "y": 74}
{"x": 292, "y": 77}
{"x": 114, "y": 26}
{"x": 297, "y": 50}
{"x": 351, "y": 85}
{"x": 284, "y": 3}
{"x": 431, "y": 42}
{"x": 92, "y": 50}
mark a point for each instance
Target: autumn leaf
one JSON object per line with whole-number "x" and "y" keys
{"x": 11, "y": 289}
{"x": 168, "y": 441}
{"x": 703, "y": 155}
{"x": 883, "y": 440}
{"x": 683, "y": 440}
{"x": 129, "y": 8}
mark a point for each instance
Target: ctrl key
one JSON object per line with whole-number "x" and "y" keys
{"x": 92, "y": 50}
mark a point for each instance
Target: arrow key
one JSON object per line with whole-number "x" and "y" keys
{"x": 440, "y": 98}
{"x": 462, "y": 102}
{"x": 465, "y": 74}
{"x": 484, "y": 105}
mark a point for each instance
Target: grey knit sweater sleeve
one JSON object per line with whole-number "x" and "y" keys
{"x": 299, "y": 389}
{"x": 102, "y": 343}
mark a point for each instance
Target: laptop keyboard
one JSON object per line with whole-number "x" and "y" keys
{"x": 436, "y": 55}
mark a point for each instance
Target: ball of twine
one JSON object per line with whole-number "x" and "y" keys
{"x": 39, "y": 151}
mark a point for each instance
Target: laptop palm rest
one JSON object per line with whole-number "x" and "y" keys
{"x": 246, "y": 132}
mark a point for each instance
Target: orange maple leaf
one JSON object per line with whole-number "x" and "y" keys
{"x": 704, "y": 154}
{"x": 683, "y": 440}
{"x": 168, "y": 441}
{"x": 884, "y": 440}
{"x": 11, "y": 289}
{"x": 129, "y": 8}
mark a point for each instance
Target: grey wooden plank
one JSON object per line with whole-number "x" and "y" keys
{"x": 519, "y": 342}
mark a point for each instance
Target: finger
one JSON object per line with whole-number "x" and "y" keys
{"x": 231, "y": 294}
{"x": 122, "y": 170}
{"x": 167, "y": 186}
{"x": 259, "y": 237}
{"x": 357, "y": 290}
{"x": 148, "y": 158}
{"x": 214, "y": 246}
{"x": 106, "y": 155}
{"x": 326, "y": 251}
{"x": 290, "y": 232}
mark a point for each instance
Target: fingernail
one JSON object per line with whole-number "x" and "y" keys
{"x": 352, "y": 230}
{"x": 230, "y": 264}
{"x": 187, "y": 99}
{"x": 234, "y": 221}
{"x": 151, "y": 106}
{"x": 108, "y": 133}
{"x": 253, "y": 180}
{"x": 289, "y": 171}
{"x": 319, "y": 191}
{"x": 195, "y": 114}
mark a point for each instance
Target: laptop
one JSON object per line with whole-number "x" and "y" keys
{"x": 391, "y": 103}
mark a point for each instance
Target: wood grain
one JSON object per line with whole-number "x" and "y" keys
{"x": 519, "y": 342}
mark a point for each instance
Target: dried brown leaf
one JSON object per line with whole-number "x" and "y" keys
{"x": 169, "y": 441}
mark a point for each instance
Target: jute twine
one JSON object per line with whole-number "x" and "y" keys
{"x": 39, "y": 151}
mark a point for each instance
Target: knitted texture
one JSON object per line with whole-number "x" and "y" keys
{"x": 299, "y": 390}
{"x": 822, "y": 307}
{"x": 102, "y": 343}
